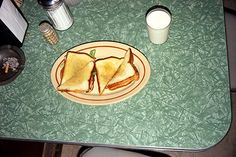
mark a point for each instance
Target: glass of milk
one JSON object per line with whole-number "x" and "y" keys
{"x": 158, "y": 19}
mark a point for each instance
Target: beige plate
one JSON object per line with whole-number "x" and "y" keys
{"x": 104, "y": 49}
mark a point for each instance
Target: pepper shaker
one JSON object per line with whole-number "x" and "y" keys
{"x": 48, "y": 32}
{"x": 58, "y": 13}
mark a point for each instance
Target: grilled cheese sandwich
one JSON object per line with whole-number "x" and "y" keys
{"x": 111, "y": 72}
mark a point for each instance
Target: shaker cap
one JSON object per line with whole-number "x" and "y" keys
{"x": 45, "y": 27}
{"x": 50, "y": 4}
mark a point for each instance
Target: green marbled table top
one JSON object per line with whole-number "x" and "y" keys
{"x": 185, "y": 105}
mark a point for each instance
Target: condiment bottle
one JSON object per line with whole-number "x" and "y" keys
{"x": 48, "y": 32}
{"x": 58, "y": 13}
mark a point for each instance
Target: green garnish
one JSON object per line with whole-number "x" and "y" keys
{"x": 92, "y": 53}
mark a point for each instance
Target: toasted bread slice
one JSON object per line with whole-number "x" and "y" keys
{"x": 80, "y": 81}
{"x": 77, "y": 73}
{"x": 74, "y": 62}
{"x": 126, "y": 73}
{"x": 105, "y": 71}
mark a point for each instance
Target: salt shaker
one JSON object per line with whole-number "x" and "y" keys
{"x": 48, "y": 32}
{"x": 58, "y": 13}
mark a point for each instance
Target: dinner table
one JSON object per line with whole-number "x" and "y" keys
{"x": 184, "y": 105}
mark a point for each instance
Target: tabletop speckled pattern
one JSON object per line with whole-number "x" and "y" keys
{"x": 185, "y": 105}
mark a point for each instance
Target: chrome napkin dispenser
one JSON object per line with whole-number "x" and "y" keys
{"x": 13, "y": 24}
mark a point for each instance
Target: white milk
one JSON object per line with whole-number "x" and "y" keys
{"x": 158, "y": 19}
{"x": 158, "y": 23}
